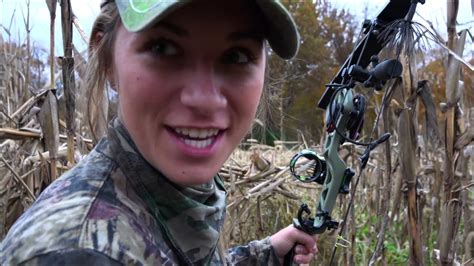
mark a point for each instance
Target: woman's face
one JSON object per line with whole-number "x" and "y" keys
{"x": 189, "y": 86}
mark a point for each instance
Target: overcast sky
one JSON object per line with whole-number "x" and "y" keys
{"x": 86, "y": 11}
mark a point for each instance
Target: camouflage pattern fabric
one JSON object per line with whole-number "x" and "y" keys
{"x": 106, "y": 211}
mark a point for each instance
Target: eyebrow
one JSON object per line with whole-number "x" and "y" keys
{"x": 257, "y": 36}
{"x": 253, "y": 35}
{"x": 172, "y": 28}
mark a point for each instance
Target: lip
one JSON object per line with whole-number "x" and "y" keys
{"x": 191, "y": 151}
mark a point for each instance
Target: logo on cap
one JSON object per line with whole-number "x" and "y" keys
{"x": 143, "y": 6}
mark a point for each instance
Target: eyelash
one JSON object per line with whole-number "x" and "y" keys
{"x": 152, "y": 46}
{"x": 226, "y": 59}
{"x": 251, "y": 58}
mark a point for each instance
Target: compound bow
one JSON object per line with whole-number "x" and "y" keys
{"x": 345, "y": 117}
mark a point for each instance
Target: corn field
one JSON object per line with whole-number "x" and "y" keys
{"x": 414, "y": 204}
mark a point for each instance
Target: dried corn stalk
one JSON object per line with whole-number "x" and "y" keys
{"x": 69, "y": 84}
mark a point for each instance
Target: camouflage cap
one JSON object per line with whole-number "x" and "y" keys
{"x": 282, "y": 34}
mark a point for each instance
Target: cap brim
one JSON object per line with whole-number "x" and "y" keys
{"x": 282, "y": 33}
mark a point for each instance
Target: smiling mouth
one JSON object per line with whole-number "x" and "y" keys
{"x": 197, "y": 138}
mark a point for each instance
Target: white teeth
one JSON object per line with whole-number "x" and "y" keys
{"x": 197, "y": 138}
{"x": 202, "y": 134}
{"x": 198, "y": 143}
{"x": 196, "y": 133}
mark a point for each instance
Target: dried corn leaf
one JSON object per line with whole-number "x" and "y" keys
{"x": 4, "y": 195}
{"x": 452, "y": 73}
{"x": 48, "y": 118}
{"x": 431, "y": 119}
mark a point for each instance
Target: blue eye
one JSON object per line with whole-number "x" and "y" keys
{"x": 238, "y": 56}
{"x": 164, "y": 48}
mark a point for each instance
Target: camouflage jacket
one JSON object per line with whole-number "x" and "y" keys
{"x": 92, "y": 216}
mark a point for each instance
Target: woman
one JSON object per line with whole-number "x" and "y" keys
{"x": 189, "y": 75}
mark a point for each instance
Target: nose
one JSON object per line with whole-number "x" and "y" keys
{"x": 202, "y": 91}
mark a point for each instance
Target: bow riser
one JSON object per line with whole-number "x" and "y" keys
{"x": 337, "y": 169}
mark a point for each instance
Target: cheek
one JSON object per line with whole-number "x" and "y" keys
{"x": 142, "y": 89}
{"x": 247, "y": 100}
{"x": 247, "y": 87}
{"x": 256, "y": 95}
{"x": 255, "y": 91}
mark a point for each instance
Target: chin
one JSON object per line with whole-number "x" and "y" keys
{"x": 190, "y": 178}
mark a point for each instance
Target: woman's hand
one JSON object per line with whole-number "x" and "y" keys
{"x": 284, "y": 240}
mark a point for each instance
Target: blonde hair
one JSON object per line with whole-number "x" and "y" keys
{"x": 101, "y": 47}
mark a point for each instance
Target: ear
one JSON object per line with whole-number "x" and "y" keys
{"x": 96, "y": 38}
